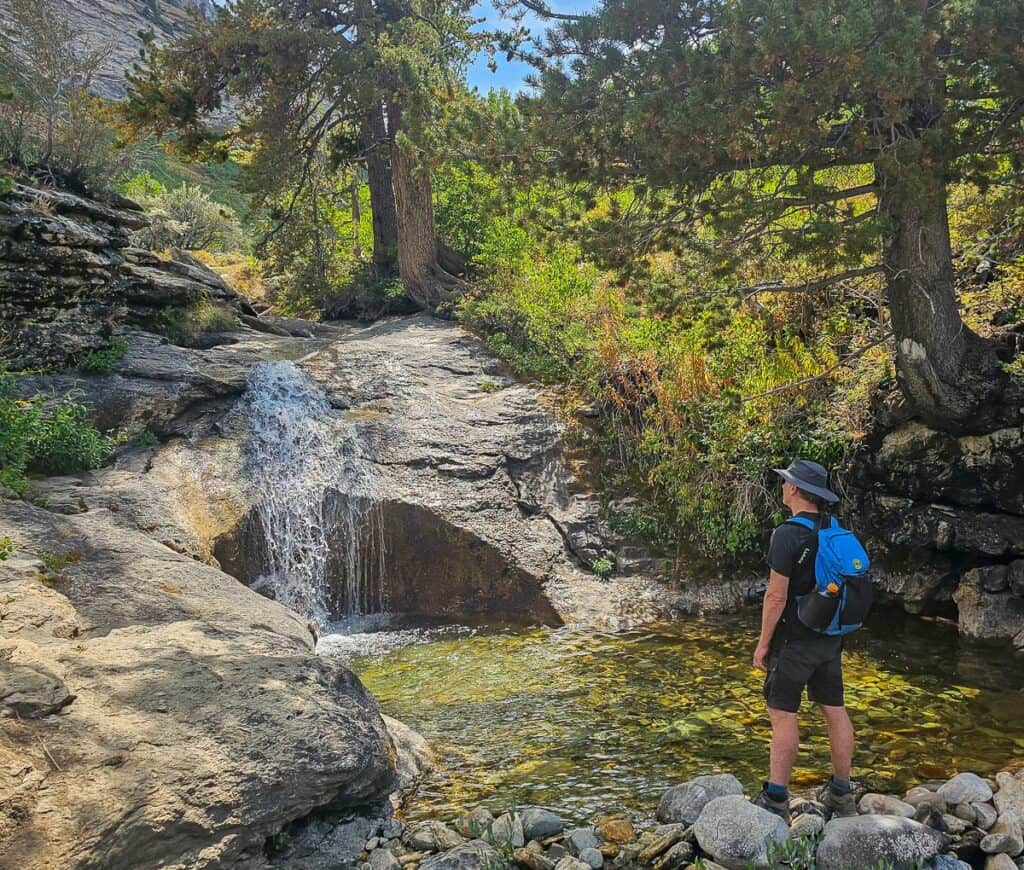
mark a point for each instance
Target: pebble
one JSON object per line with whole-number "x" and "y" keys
{"x": 615, "y": 829}
{"x": 506, "y": 830}
{"x": 1000, "y": 862}
{"x": 539, "y": 823}
{"x": 986, "y": 815}
{"x": 593, "y": 857}
{"x": 382, "y": 859}
{"x": 919, "y": 793}
{"x": 678, "y": 856}
{"x": 954, "y": 824}
{"x": 371, "y": 844}
{"x": 734, "y": 831}
{"x": 570, "y": 863}
{"x": 532, "y": 860}
{"x": 806, "y": 825}
{"x": 966, "y": 812}
{"x": 579, "y": 839}
{"x": 949, "y": 862}
{"x": 805, "y": 806}
{"x": 1004, "y": 838}
{"x": 964, "y": 788}
{"x": 670, "y": 835}
{"x": 474, "y": 823}
{"x": 885, "y": 805}
{"x": 1009, "y": 799}
{"x": 556, "y": 852}
{"x": 392, "y": 828}
{"x": 684, "y": 802}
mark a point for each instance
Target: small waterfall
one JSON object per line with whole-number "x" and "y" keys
{"x": 318, "y": 501}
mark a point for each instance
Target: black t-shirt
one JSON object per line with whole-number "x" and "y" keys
{"x": 791, "y": 553}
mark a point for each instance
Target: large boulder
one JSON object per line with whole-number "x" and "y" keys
{"x": 865, "y": 841}
{"x": 683, "y": 803}
{"x": 184, "y": 722}
{"x": 737, "y": 834}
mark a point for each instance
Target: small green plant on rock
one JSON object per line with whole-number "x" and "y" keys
{"x": 602, "y": 566}
{"x": 6, "y": 547}
{"x": 54, "y": 437}
{"x": 54, "y": 565}
{"x": 184, "y": 325}
{"x": 795, "y": 854}
{"x": 104, "y": 360}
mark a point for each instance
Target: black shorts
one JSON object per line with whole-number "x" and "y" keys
{"x": 816, "y": 664}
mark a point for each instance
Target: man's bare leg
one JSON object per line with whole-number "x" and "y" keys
{"x": 840, "y": 740}
{"x": 785, "y": 745}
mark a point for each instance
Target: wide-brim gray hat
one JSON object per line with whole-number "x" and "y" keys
{"x": 809, "y": 477}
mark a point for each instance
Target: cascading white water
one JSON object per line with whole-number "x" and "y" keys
{"x": 318, "y": 502}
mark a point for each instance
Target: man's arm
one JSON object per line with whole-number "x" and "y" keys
{"x": 774, "y": 603}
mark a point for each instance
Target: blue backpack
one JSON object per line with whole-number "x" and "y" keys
{"x": 844, "y": 590}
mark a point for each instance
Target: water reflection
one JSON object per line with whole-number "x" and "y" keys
{"x": 590, "y": 721}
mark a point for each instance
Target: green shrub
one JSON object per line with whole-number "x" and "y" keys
{"x": 186, "y": 217}
{"x": 602, "y": 566}
{"x": 104, "y": 360}
{"x": 185, "y": 325}
{"x": 45, "y": 437}
{"x": 6, "y": 547}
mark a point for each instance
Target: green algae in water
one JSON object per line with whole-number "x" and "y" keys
{"x": 588, "y": 721}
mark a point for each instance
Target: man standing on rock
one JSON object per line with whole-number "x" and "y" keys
{"x": 793, "y": 656}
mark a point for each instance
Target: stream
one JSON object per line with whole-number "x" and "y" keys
{"x": 590, "y": 722}
{"x": 586, "y": 721}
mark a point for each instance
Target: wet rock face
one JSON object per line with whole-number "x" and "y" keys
{"x": 70, "y": 275}
{"x": 480, "y": 515}
{"x": 944, "y": 515}
{"x": 158, "y": 713}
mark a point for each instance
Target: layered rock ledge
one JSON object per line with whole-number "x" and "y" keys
{"x": 70, "y": 275}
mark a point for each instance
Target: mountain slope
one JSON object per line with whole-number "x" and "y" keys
{"x": 116, "y": 24}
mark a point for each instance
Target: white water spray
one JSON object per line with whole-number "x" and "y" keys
{"x": 318, "y": 500}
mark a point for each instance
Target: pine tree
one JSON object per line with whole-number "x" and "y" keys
{"x": 825, "y": 129}
{"x": 355, "y": 80}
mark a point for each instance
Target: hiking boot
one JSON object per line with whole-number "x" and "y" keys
{"x": 779, "y": 808}
{"x": 838, "y": 804}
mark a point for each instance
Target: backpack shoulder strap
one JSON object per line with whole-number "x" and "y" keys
{"x": 803, "y": 521}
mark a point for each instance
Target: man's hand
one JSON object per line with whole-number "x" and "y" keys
{"x": 761, "y": 657}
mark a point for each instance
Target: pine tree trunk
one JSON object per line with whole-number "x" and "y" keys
{"x": 426, "y": 282}
{"x": 382, "y": 197}
{"x": 947, "y": 372}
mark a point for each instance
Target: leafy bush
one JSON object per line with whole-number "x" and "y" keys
{"x": 186, "y": 217}
{"x": 6, "y": 547}
{"x": 45, "y": 437}
{"x": 104, "y": 360}
{"x": 186, "y": 325}
{"x": 697, "y": 407}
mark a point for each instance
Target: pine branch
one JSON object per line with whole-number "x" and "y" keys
{"x": 753, "y": 290}
{"x": 545, "y": 11}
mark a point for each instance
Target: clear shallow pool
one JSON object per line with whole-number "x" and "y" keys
{"x": 589, "y": 721}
